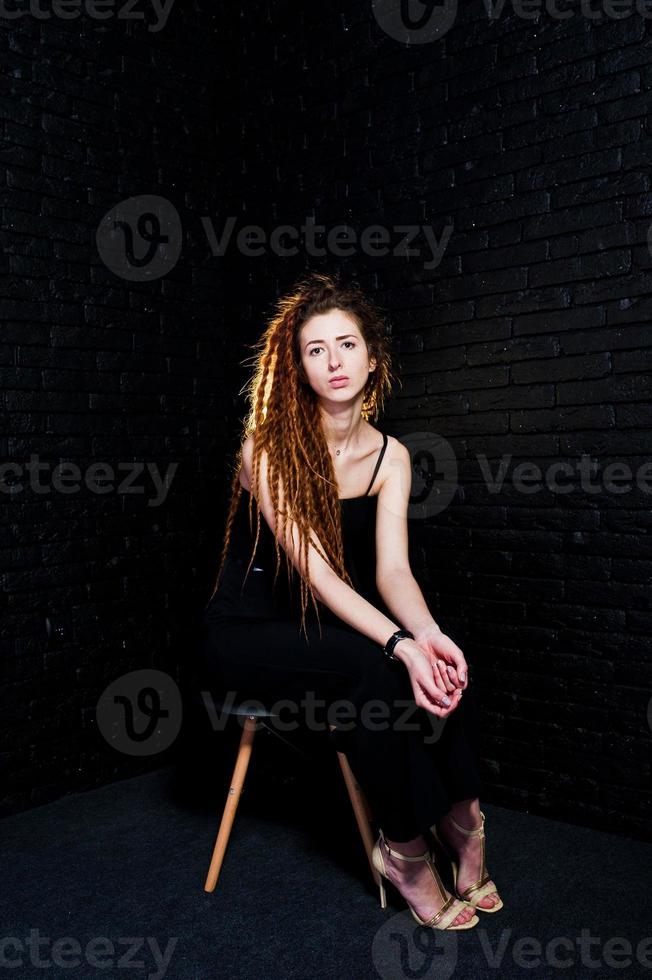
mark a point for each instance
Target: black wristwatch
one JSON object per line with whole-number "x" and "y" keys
{"x": 393, "y": 640}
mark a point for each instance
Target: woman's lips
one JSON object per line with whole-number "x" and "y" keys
{"x": 338, "y": 382}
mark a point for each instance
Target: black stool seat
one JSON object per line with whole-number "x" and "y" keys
{"x": 246, "y": 709}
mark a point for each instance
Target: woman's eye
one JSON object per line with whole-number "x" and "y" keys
{"x": 312, "y": 351}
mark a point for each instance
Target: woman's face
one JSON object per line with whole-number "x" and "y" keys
{"x": 331, "y": 347}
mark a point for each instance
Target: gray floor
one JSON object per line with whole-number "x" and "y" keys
{"x": 124, "y": 866}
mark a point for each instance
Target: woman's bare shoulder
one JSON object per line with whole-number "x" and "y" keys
{"x": 377, "y": 438}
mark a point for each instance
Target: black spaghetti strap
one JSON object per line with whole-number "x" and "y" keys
{"x": 378, "y": 462}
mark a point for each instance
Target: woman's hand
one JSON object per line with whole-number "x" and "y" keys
{"x": 428, "y": 689}
{"x": 448, "y": 663}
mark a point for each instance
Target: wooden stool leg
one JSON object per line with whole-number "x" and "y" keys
{"x": 357, "y": 787}
{"x": 233, "y": 798}
{"x": 360, "y": 809}
{"x": 365, "y": 802}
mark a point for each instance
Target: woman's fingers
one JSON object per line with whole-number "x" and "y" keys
{"x": 436, "y": 697}
{"x": 440, "y": 710}
{"x": 447, "y": 661}
{"x": 446, "y": 679}
{"x": 456, "y": 660}
{"x": 425, "y": 701}
{"x": 432, "y": 688}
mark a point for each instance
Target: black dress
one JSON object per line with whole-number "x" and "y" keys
{"x": 411, "y": 764}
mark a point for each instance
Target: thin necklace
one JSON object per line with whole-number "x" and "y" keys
{"x": 338, "y": 451}
{"x": 343, "y": 449}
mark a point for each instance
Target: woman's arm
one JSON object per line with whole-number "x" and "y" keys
{"x": 395, "y": 582}
{"x": 403, "y": 597}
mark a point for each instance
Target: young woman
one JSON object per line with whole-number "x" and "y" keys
{"x": 334, "y": 493}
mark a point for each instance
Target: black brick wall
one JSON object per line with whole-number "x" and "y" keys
{"x": 530, "y": 141}
{"x": 96, "y": 368}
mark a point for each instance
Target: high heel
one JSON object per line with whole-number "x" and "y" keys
{"x": 451, "y": 907}
{"x": 480, "y": 888}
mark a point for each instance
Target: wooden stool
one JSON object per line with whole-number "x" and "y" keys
{"x": 251, "y": 716}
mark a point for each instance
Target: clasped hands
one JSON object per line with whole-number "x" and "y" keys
{"x": 448, "y": 665}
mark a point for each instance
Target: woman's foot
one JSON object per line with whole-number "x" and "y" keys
{"x": 468, "y": 849}
{"x": 416, "y": 883}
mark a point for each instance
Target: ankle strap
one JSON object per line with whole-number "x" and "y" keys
{"x": 469, "y": 833}
{"x": 403, "y": 857}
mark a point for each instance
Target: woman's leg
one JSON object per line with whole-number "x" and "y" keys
{"x": 438, "y": 756}
{"x": 416, "y": 882}
{"x": 469, "y": 849}
{"x": 270, "y": 660}
{"x": 411, "y": 765}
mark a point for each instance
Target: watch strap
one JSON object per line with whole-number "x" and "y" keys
{"x": 393, "y": 640}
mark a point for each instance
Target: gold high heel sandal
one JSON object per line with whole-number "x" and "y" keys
{"x": 450, "y": 909}
{"x": 480, "y": 888}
